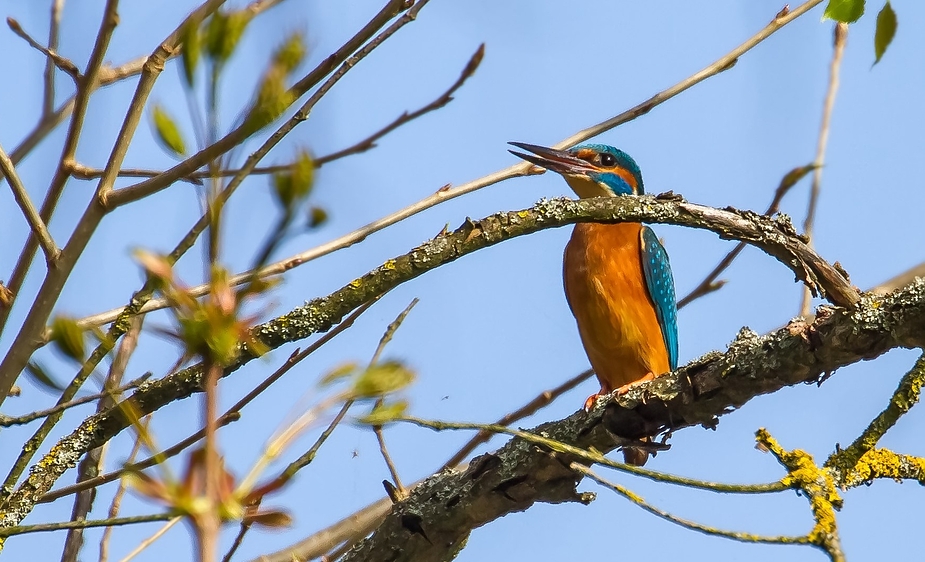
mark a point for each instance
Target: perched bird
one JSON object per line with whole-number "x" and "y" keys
{"x": 618, "y": 281}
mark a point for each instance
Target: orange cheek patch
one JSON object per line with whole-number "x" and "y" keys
{"x": 627, "y": 177}
{"x": 586, "y": 154}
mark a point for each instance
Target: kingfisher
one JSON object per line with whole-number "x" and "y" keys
{"x": 617, "y": 277}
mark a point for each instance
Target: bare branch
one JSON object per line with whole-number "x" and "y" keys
{"x": 687, "y": 524}
{"x": 320, "y": 314}
{"x": 905, "y": 396}
{"x": 54, "y": 58}
{"x": 710, "y": 283}
{"x": 39, "y": 229}
{"x": 6, "y": 421}
{"x": 528, "y": 409}
{"x": 446, "y": 193}
{"x": 48, "y": 95}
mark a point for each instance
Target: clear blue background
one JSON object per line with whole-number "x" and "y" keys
{"x": 492, "y": 330}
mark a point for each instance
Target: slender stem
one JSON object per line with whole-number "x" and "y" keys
{"x": 233, "y": 138}
{"x": 39, "y": 414}
{"x": 597, "y": 458}
{"x": 840, "y": 36}
{"x": 48, "y": 96}
{"x": 710, "y": 283}
{"x": 39, "y": 230}
{"x": 150, "y": 540}
{"x": 735, "y": 535}
{"x": 45, "y": 527}
{"x": 543, "y": 399}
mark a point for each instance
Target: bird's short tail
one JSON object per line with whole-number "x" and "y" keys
{"x": 636, "y": 456}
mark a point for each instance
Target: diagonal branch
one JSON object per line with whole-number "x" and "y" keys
{"x": 39, "y": 229}
{"x": 775, "y": 236}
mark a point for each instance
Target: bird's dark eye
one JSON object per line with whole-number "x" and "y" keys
{"x": 608, "y": 160}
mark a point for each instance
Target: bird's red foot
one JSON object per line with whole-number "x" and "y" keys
{"x": 626, "y": 387}
{"x": 589, "y": 403}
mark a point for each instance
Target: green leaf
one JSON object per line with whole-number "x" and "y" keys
{"x": 384, "y": 413}
{"x": 338, "y": 373}
{"x": 192, "y": 45}
{"x": 223, "y": 33}
{"x": 167, "y": 132}
{"x": 382, "y": 378}
{"x": 290, "y": 54}
{"x": 845, "y": 11}
{"x": 317, "y": 217}
{"x": 38, "y": 374}
{"x": 886, "y": 29}
{"x": 68, "y": 337}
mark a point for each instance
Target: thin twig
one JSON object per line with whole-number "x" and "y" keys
{"x": 383, "y": 341}
{"x": 54, "y": 58}
{"x": 33, "y": 325}
{"x": 39, "y": 229}
{"x": 595, "y": 457}
{"x": 903, "y": 399}
{"x": 116, "y": 503}
{"x": 150, "y": 540}
{"x": 45, "y": 527}
{"x": 48, "y": 93}
{"x": 446, "y": 193}
{"x": 92, "y": 463}
{"x": 348, "y": 50}
{"x": 840, "y": 35}
{"x": 744, "y": 537}
{"x": 39, "y": 414}
{"x": 710, "y": 283}
{"x": 136, "y": 467}
{"x": 540, "y": 401}
{"x": 232, "y": 414}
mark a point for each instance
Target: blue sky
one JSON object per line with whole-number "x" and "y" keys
{"x": 493, "y": 330}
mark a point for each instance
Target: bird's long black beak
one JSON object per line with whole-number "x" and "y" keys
{"x": 558, "y": 161}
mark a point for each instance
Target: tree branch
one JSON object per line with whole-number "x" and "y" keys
{"x": 774, "y": 236}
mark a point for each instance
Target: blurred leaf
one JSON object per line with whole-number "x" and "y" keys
{"x": 223, "y": 33}
{"x": 886, "y": 29}
{"x": 294, "y": 185}
{"x": 290, "y": 54}
{"x": 793, "y": 176}
{"x": 68, "y": 337}
{"x": 338, "y": 373}
{"x": 382, "y": 378}
{"x": 167, "y": 132}
{"x": 38, "y": 374}
{"x": 317, "y": 217}
{"x": 384, "y": 413}
{"x": 273, "y": 97}
{"x": 6, "y": 297}
{"x": 274, "y": 519}
{"x": 191, "y": 37}
{"x": 845, "y": 11}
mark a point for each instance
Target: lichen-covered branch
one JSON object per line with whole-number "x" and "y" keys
{"x": 819, "y": 488}
{"x": 695, "y": 395}
{"x": 440, "y": 513}
{"x": 905, "y": 396}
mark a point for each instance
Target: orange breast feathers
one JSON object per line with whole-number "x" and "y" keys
{"x": 606, "y": 290}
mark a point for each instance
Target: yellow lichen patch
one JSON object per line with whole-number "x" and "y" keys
{"x": 815, "y": 482}
{"x": 389, "y": 265}
{"x": 523, "y": 214}
{"x": 356, "y": 283}
{"x": 883, "y": 463}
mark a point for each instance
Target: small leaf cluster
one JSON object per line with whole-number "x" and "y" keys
{"x": 850, "y": 11}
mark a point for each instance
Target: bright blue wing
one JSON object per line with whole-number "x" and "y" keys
{"x": 660, "y": 283}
